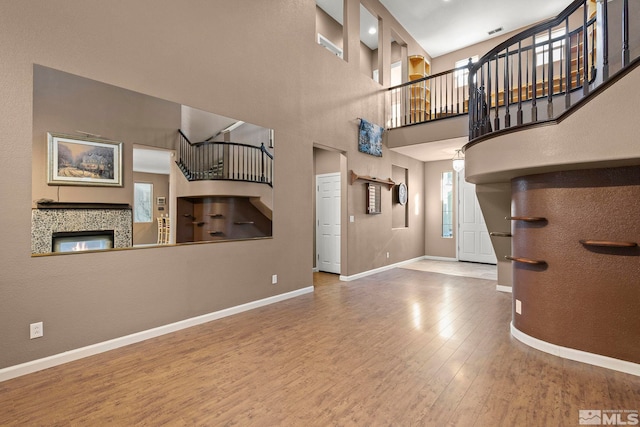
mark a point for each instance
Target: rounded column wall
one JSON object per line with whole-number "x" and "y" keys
{"x": 583, "y": 297}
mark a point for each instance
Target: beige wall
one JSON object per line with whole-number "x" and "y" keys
{"x": 435, "y": 244}
{"x": 272, "y": 73}
{"x": 65, "y": 103}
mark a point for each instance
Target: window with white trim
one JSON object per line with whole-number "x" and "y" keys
{"x": 542, "y": 46}
{"x": 461, "y": 77}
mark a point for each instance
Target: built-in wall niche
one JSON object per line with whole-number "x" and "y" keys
{"x": 330, "y": 27}
{"x": 369, "y": 36}
{"x": 400, "y": 204}
{"x": 222, "y": 156}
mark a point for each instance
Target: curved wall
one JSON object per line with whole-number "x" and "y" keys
{"x": 585, "y": 298}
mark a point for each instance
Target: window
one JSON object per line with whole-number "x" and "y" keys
{"x": 323, "y": 41}
{"x": 462, "y": 76}
{"x": 396, "y": 73}
{"x": 447, "y": 204}
{"x": 330, "y": 27}
{"x": 142, "y": 202}
{"x": 542, "y": 46}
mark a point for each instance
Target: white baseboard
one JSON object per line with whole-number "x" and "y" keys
{"x": 79, "y": 353}
{"x": 378, "y": 270}
{"x": 577, "y": 355}
{"x": 503, "y": 288}
{"x": 438, "y": 258}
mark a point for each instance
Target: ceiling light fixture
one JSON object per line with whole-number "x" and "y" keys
{"x": 372, "y": 30}
{"x": 458, "y": 161}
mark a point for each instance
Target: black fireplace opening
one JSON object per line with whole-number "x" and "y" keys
{"x": 77, "y": 241}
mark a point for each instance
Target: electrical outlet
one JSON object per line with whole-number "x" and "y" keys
{"x": 518, "y": 306}
{"x": 36, "y": 330}
{"x": 274, "y": 279}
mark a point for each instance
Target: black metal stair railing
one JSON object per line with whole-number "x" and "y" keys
{"x": 543, "y": 71}
{"x": 227, "y": 161}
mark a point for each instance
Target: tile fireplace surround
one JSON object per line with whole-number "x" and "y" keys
{"x": 54, "y": 217}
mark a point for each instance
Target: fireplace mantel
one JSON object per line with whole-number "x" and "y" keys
{"x": 81, "y": 205}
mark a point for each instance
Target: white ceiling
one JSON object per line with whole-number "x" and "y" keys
{"x": 443, "y": 26}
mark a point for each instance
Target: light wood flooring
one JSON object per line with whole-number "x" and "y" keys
{"x": 400, "y": 348}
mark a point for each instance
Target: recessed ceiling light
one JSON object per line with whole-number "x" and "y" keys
{"x": 372, "y": 30}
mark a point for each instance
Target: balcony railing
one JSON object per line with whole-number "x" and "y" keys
{"x": 543, "y": 71}
{"x": 227, "y": 161}
{"x": 532, "y": 77}
{"x": 434, "y": 97}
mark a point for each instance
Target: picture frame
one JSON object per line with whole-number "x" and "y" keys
{"x": 161, "y": 200}
{"x": 84, "y": 161}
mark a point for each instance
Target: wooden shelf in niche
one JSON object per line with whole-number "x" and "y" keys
{"x": 523, "y": 260}
{"x": 526, "y": 218}
{"x": 609, "y": 243}
{"x": 500, "y": 234}
{"x": 388, "y": 182}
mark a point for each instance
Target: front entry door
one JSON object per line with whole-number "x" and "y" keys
{"x": 328, "y": 223}
{"x": 474, "y": 243}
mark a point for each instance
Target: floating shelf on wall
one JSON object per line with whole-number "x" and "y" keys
{"x": 609, "y": 243}
{"x": 525, "y": 260}
{"x": 388, "y": 182}
{"x": 526, "y": 218}
{"x": 499, "y": 234}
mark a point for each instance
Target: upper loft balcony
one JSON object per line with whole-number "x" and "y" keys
{"x": 536, "y": 78}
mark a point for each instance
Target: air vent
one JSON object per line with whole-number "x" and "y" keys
{"x": 497, "y": 30}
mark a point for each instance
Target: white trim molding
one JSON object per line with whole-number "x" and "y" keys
{"x": 577, "y": 355}
{"x": 378, "y": 270}
{"x": 437, "y": 258}
{"x": 503, "y": 288}
{"x": 79, "y": 353}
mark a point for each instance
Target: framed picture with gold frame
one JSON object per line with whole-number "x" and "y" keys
{"x": 83, "y": 161}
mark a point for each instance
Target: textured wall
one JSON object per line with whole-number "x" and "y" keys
{"x": 255, "y": 61}
{"x": 586, "y": 298}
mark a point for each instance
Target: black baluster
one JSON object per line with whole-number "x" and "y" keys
{"x": 585, "y": 51}
{"x": 625, "y": 33}
{"x": 534, "y": 82}
{"x": 519, "y": 114}
{"x": 507, "y": 115}
{"x": 550, "y": 82}
{"x": 605, "y": 42}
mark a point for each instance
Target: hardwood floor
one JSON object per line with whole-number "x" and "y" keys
{"x": 401, "y": 347}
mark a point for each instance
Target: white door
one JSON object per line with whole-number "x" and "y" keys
{"x": 328, "y": 222}
{"x": 474, "y": 243}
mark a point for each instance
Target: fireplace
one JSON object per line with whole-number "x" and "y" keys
{"x": 57, "y": 218}
{"x": 76, "y": 241}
